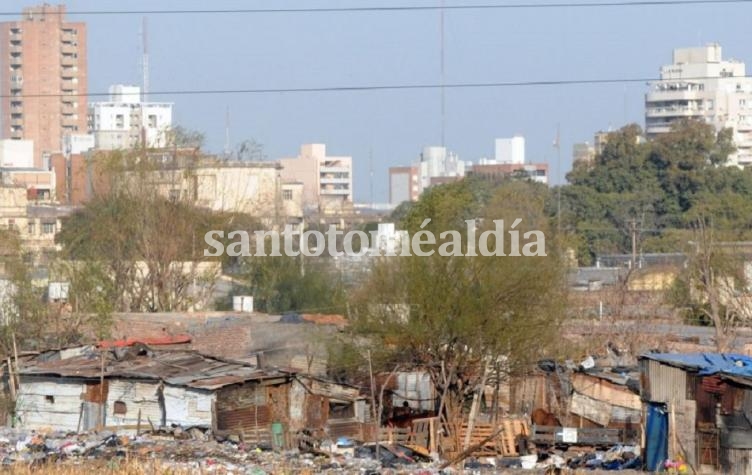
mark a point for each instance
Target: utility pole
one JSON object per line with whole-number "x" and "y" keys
{"x": 145, "y": 59}
{"x": 557, "y": 144}
{"x": 370, "y": 171}
{"x": 228, "y": 147}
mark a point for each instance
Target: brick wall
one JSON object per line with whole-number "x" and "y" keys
{"x": 230, "y": 335}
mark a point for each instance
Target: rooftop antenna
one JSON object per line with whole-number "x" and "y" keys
{"x": 228, "y": 151}
{"x": 145, "y": 59}
{"x": 443, "y": 89}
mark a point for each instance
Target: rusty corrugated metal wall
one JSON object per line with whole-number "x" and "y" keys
{"x": 250, "y": 410}
{"x": 245, "y": 410}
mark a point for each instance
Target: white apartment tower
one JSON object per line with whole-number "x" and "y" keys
{"x": 438, "y": 163}
{"x": 125, "y": 121}
{"x": 700, "y": 84}
{"x": 510, "y": 150}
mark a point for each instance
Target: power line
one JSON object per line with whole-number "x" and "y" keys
{"x": 376, "y": 87}
{"x": 399, "y": 8}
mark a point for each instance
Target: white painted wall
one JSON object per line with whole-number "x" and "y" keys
{"x": 36, "y": 411}
{"x": 16, "y": 153}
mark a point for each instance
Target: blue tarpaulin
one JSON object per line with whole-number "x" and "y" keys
{"x": 656, "y": 437}
{"x": 707, "y": 364}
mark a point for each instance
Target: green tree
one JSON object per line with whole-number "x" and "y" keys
{"x": 463, "y": 319}
{"x": 659, "y": 187}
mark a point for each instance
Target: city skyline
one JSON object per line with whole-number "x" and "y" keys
{"x": 300, "y": 50}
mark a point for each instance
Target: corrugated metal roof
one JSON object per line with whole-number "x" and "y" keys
{"x": 706, "y": 364}
{"x": 177, "y": 368}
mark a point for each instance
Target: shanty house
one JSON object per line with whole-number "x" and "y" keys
{"x": 699, "y": 408}
{"x": 130, "y": 387}
{"x": 136, "y": 387}
{"x": 329, "y": 409}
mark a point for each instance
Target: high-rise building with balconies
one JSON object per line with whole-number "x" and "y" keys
{"x": 700, "y": 84}
{"x": 43, "y": 82}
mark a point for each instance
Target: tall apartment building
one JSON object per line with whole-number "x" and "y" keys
{"x": 125, "y": 121}
{"x": 43, "y": 82}
{"x": 403, "y": 184}
{"x": 700, "y": 84}
{"x": 327, "y": 181}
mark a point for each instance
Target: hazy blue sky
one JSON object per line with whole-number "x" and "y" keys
{"x": 247, "y": 51}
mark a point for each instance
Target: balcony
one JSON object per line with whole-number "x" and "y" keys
{"x": 655, "y": 129}
{"x": 68, "y": 73}
{"x": 68, "y": 48}
{"x": 334, "y": 181}
{"x": 68, "y": 37}
{"x": 70, "y": 85}
{"x": 16, "y": 121}
{"x": 674, "y": 111}
{"x": 334, "y": 169}
{"x": 15, "y": 37}
{"x": 673, "y": 95}
{"x": 69, "y": 121}
{"x": 69, "y": 109}
{"x": 16, "y": 61}
{"x": 68, "y": 60}
{"x": 17, "y": 49}
{"x": 335, "y": 191}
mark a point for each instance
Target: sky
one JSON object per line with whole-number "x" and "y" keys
{"x": 380, "y": 129}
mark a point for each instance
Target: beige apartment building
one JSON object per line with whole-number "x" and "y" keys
{"x": 253, "y": 188}
{"x": 36, "y": 224}
{"x": 327, "y": 181}
{"x": 43, "y": 55}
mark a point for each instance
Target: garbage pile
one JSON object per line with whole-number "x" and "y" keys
{"x": 195, "y": 452}
{"x": 620, "y": 457}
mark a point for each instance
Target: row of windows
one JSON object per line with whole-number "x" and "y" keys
{"x": 48, "y": 227}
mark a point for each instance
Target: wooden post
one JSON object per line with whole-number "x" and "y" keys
{"x": 80, "y": 418}
{"x": 214, "y": 417}
{"x": 138, "y": 423}
{"x": 101, "y": 390}
{"x": 15, "y": 357}
{"x": 672, "y": 428}
{"x": 474, "y": 407}
{"x": 11, "y": 380}
{"x": 373, "y": 390}
{"x": 432, "y": 435}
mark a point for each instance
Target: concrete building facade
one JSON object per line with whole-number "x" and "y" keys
{"x": 36, "y": 223}
{"x": 125, "y": 121}
{"x": 253, "y": 188}
{"x": 403, "y": 185}
{"x": 327, "y": 180}
{"x": 16, "y": 153}
{"x": 44, "y": 80}
{"x": 537, "y": 172}
{"x": 700, "y": 84}
{"x": 40, "y": 184}
{"x": 510, "y": 150}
